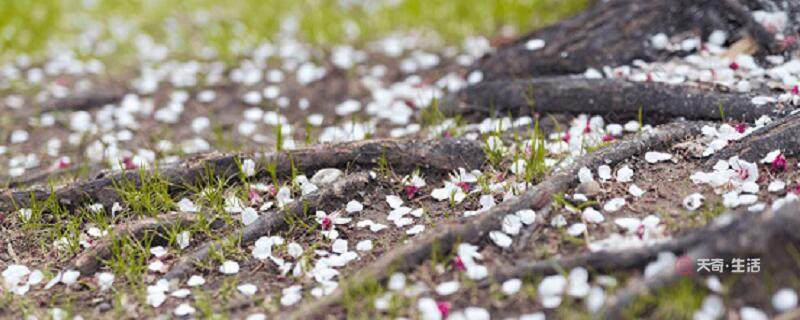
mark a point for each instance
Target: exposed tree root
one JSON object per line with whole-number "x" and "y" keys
{"x": 44, "y": 177}
{"x": 617, "y": 32}
{"x": 446, "y": 236}
{"x": 273, "y": 221}
{"x": 403, "y": 155}
{"x": 782, "y": 134}
{"x": 89, "y": 261}
{"x": 86, "y": 100}
{"x": 601, "y": 260}
{"x": 742, "y": 14}
{"x": 617, "y": 99}
{"x": 748, "y": 235}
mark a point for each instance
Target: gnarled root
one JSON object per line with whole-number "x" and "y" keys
{"x": 752, "y": 234}
{"x": 403, "y": 155}
{"x": 616, "y": 99}
{"x": 446, "y": 236}
{"x": 782, "y": 134}
{"x": 89, "y": 261}
{"x": 274, "y": 221}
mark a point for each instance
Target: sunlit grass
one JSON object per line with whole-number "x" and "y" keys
{"x": 230, "y": 27}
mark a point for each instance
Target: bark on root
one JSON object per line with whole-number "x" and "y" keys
{"x": 608, "y": 261}
{"x": 782, "y": 134}
{"x": 616, "y": 99}
{"x": 750, "y": 234}
{"x": 274, "y": 221}
{"x": 446, "y": 236}
{"x": 403, "y": 155}
{"x": 89, "y": 261}
{"x": 85, "y": 101}
{"x": 617, "y": 32}
{"x": 54, "y": 175}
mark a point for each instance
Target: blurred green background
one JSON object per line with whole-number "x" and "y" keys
{"x": 35, "y": 27}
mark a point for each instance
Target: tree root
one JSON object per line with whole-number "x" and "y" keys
{"x": 616, "y": 99}
{"x": 446, "y": 236}
{"x": 599, "y": 261}
{"x": 741, "y": 13}
{"x": 273, "y": 221}
{"x": 617, "y": 32}
{"x": 782, "y": 134}
{"x": 84, "y": 101}
{"x": 44, "y": 177}
{"x": 750, "y": 234}
{"x": 403, "y": 155}
{"x": 89, "y": 261}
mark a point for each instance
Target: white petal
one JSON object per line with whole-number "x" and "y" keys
{"x": 339, "y": 246}
{"x": 184, "y": 309}
{"x": 512, "y": 224}
{"x": 247, "y": 289}
{"x": 394, "y": 201}
{"x": 229, "y": 267}
{"x": 614, "y": 204}
{"x": 635, "y": 191}
{"x": 750, "y": 313}
{"x": 784, "y": 300}
{"x": 195, "y": 280}
{"x": 447, "y": 288}
{"x": 595, "y": 299}
{"x": 70, "y": 277}
{"x": 534, "y": 44}
{"x": 249, "y": 215}
{"x": 500, "y": 239}
{"x": 526, "y": 216}
{"x": 158, "y": 251}
{"x": 604, "y": 172}
{"x": 629, "y": 224}
{"x": 654, "y": 157}
{"x": 415, "y": 229}
{"x": 585, "y": 175}
{"x": 476, "y": 313}
{"x": 354, "y": 206}
{"x": 776, "y": 186}
{"x": 593, "y": 216}
{"x": 364, "y": 245}
{"x": 693, "y": 201}
{"x": 576, "y": 229}
{"x": 511, "y": 286}
{"x": 625, "y": 174}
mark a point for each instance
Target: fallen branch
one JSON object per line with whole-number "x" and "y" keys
{"x": 403, "y": 155}
{"x": 446, "y": 236}
{"x": 616, "y": 99}
{"x": 274, "y": 221}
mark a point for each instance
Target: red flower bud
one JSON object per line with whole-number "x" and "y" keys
{"x": 128, "y": 163}
{"x": 458, "y": 264}
{"x": 444, "y": 308}
{"x": 779, "y": 164}
{"x": 411, "y": 191}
